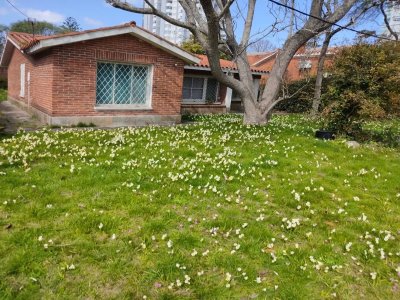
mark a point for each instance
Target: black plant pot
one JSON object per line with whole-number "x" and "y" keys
{"x": 325, "y": 135}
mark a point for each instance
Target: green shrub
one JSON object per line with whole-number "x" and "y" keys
{"x": 347, "y": 113}
{"x": 365, "y": 85}
{"x": 3, "y": 83}
{"x": 303, "y": 95}
{"x": 83, "y": 125}
{"x": 3, "y": 94}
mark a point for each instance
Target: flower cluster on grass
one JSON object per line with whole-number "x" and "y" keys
{"x": 215, "y": 209}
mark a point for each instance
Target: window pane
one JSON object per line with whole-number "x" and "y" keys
{"x": 122, "y": 87}
{"x": 197, "y": 94}
{"x": 198, "y": 82}
{"x": 139, "y": 84}
{"x": 187, "y": 82}
{"x": 186, "y": 94}
{"x": 212, "y": 89}
{"x": 121, "y": 84}
{"x": 104, "y": 88}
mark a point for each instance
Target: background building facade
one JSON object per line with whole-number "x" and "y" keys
{"x": 393, "y": 15}
{"x": 162, "y": 28}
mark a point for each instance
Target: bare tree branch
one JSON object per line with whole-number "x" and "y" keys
{"x": 385, "y": 19}
{"x": 148, "y": 11}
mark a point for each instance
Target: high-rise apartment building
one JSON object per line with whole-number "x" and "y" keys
{"x": 393, "y": 15}
{"x": 161, "y": 27}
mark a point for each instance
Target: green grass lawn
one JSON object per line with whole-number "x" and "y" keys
{"x": 3, "y": 94}
{"x": 213, "y": 210}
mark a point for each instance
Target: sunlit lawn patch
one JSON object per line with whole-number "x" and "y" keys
{"x": 3, "y": 94}
{"x": 213, "y": 210}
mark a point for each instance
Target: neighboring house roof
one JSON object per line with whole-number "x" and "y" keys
{"x": 315, "y": 52}
{"x": 226, "y": 65}
{"x": 32, "y": 44}
{"x": 257, "y": 59}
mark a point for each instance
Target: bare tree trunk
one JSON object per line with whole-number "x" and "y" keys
{"x": 385, "y": 19}
{"x": 320, "y": 70}
{"x": 252, "y": 114}
{"x": 206, "y": 28}
{"x": 291, "y": 22}
{"x": 322, "y": 57}
{"x": 272, "y": 88}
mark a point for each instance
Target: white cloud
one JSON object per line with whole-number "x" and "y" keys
{"x": 92, "y": 22}
{"x": 45, "y": 15}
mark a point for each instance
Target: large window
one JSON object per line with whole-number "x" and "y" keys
{"x": 200, "y": 90}
{"x": 123, "y": 85}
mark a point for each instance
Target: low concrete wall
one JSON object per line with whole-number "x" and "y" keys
{"x": 118, "y": 120}
{"x": 191, "y": 109}
{"x": 101, "y": 121}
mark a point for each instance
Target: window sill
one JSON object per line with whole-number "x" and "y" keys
{"x": 200, "y": 103}
{"x": 122, "y": 107}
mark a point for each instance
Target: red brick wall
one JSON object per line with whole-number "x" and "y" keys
{"x": 63, "y": 79}
{"x": 75, "y": 68}
{"x": 39, "y": 92}
{"x": 293, "y": 72}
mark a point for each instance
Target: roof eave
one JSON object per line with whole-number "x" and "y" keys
{"x": 135, "y": 31}
{"x": 166, "y": 46}
{"x": 7, "y": 51}
{"x": 226, "y": 70}
{"x": 257, "y": 63}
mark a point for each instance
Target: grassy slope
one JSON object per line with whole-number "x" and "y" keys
{"x": 3, "y": 94}
{"x": 209, "y": 187}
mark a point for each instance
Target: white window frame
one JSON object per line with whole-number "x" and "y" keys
{"x": 149, "y": 89}
{"x": 203, "y": 99}
{"x": 22, "y": 80}
{"x": 305, "y": 64}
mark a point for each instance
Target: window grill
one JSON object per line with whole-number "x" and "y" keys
{"x": 305, "y": 64}
{"x": 119, "y": 84}
{"x": 200, "y": 89}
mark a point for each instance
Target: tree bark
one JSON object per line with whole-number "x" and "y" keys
{"x": 206, "y": 29}
{"x": 270, "y": 95}
{"x": 320, "y": 69}
{"x": 386, "y": 21}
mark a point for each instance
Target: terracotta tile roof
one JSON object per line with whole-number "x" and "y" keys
{"x": 225, "y": 64}
{"x": 27, "y": 40}
{"x": 24, "y": 40}
{"x": 256, "y": 57}
{"x": 317, "y": 51}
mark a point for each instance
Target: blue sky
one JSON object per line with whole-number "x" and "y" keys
{"x": 97, "y": 13}
{"x": 89, "y": 13}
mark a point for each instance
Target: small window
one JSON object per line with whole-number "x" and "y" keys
{"x": 123, "y": 85}
{"x": 305, "y": 64}
{"x": 200, "y": 90}
{"x": 22, "y": 80}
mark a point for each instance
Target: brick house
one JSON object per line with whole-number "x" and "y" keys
{"x": 113, "y": 76}
{"x": 207, "y": 95}
{"x": 303, "y": 64}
